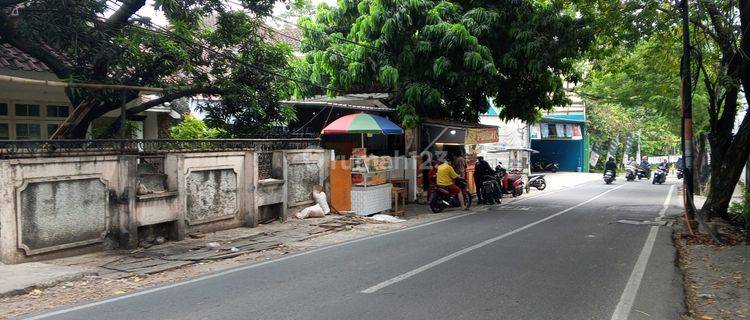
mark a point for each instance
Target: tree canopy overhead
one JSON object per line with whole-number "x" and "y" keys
{"x": 445, "y": 58}
{"x": 720, "y": 67}
{"x": 104, "y": 41}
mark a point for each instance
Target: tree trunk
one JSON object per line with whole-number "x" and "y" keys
{"x": 726, "y": 171}
{"x": 700, "y": 165}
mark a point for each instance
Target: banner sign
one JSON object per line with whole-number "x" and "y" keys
{"x": 560, "y": 130}
{"x": 577, "y": 135}
{"x": 536, "y": 131}
{"x": 594, "y": 159}
{"x": 481, "y": 135}
{"x": 556, "y": 131}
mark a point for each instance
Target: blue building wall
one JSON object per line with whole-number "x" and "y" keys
{"x": 570, "y": 154}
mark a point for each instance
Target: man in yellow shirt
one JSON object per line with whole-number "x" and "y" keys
{"x": 445, "y": 176}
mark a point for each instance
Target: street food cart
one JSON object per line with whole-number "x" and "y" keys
{"x": 513, "y": 159}
{"x": 363, "y": 178}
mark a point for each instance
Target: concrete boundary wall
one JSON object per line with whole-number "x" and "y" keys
{"x": 62, "y": 206}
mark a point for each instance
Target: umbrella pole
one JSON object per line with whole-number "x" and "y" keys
{"x": 362, "y": 135}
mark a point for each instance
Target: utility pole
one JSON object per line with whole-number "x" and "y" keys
{"x": 687, "y": 113}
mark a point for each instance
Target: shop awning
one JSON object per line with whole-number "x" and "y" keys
{"x": 553, "y": 119}
{"x": 457, "y": 133}
{"x": 500, "y": 150}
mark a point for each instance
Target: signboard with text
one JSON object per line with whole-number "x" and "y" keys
{"x": 481, "y": 135}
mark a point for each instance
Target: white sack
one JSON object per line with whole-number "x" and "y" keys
{"x": 310, "y": 212}
{"x": 322, "y": 201}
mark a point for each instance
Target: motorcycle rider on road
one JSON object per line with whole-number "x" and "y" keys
{"x": 611, "y": 166}
{"x": 632, "y": 163}
{"x": 445, "y": 177}
{"x": 645, "y": 165}
{"x": 664, "y": 165}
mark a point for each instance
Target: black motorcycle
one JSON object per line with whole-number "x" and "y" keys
{"x": 641, "y": 173}
{"x": 660, "y": 176}
{"x": 441, "y": 198}
{"x": 680, "y": 174}
{"x": 537, "y": 181}
{"x": 491, "y": 190}
{"x": 545, "y": 166}
{"x": 609, "y": 176}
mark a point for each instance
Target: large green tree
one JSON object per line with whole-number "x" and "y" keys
{"x": 637, "y": 87}
{"x": 101, "y": 41}
{"x": 720, "y": 42}
{"x": 442, "y": 59}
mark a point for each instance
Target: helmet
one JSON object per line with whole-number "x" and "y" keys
{"x": 632, "y": 159}
{"x": 645, "y": 158}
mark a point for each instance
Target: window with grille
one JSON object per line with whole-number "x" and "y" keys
{"x": 57, "y": 111}
{"x": 51, "y": 128}
{"x": 28, "y": 131}
{"x": 27, "y": 110}
{"x": 4, "y": 131}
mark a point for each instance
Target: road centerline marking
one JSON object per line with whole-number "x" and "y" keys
{"x": 456, "y": 254}
{"x": 627, "y": 299}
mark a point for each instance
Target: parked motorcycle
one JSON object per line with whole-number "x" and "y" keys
{"x": 511, "y": 183}
{"x": 440, "y": 198}
{"x": 537, "y": 181}
{"x": 660, "y": 176}
{"x": 491, "y": 190}
{"x": 629, "y": 173}
{"x": 545, "y": 166}
{"x": 609, "y": 176}
{"x": 680, "y": 174}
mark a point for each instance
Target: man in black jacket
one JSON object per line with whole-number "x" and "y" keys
{"x": 611, "y": 165}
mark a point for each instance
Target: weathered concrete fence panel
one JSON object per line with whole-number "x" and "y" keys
{"x": 48, "y": 205}
{"x": 302, "y": 170}
{"x": 61, "y": 206}
{"x": 62, "y": 213}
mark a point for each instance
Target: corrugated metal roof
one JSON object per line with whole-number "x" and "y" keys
{"x": 362, "y": 102}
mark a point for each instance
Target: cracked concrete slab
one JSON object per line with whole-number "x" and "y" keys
{"x": 20, "y": 278}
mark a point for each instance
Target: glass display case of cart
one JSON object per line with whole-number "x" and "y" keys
{"x": 370, "y": 171}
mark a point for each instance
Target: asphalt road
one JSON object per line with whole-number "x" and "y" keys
{"x": 555, "y": 256}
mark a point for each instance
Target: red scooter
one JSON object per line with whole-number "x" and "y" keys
{"x": 511, "y": 183}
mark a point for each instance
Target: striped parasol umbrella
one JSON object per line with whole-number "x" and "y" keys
{"x": 362, "y": 123}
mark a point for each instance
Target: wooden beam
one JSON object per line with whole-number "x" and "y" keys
{"x": 60, "y": 84}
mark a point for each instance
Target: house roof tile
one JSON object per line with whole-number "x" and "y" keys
{"x": 12, "y": 58}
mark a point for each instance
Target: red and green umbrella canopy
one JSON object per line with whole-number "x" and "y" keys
{"x": 362, "y": 123}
